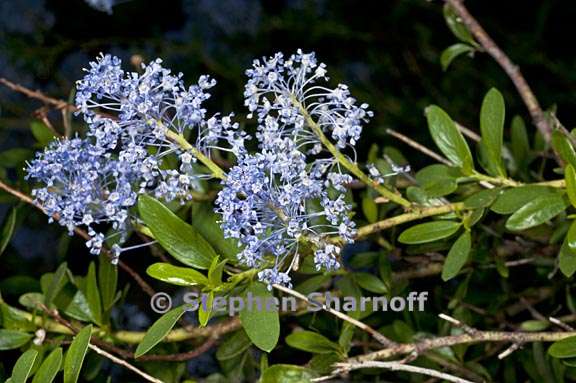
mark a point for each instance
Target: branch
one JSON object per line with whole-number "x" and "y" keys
{"x": 375, "y": 334}
{"x": 26, "y": 198}
{"x": 511, "y": 69}
{"x": 399, "y": 366}
{"x": 123, "y": 363}
{"x": 407, "y": 217}
{"x": 453, "y": 340}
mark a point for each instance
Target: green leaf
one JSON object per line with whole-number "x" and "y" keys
{"x": 181, "y": 240}
{"x": 181, "y": 276}
{"x": 482, "y": 199}
{"x": 8, "y": 230}
{"x": 42, "y": 133}
{"x": 536, "y": 212}
{"x": 458, "y": 28}
{"x": 13, "y": 158}
{"x": 56, "y": 284}
{"x": 205, "y": 221}
{"x": 205, "y": 310}
{"x": 287, "y": 373}
{"x": 570, "y": 177}
{"x": 215, "y": 272}
{"x": 519, "y": 142}
{"x": 79, "y": 309}
{"x": 75, "y": 355}
{"x": 428, "y": 232}
{"x": 108, "y": 282}
{"x": 23, "y": 366}
{"x": 369, "y": 208}
{"x": 312, "y": 342}
{"x": 11, "y": 339}
{"x": 513, "y": 199}
{"x": 370, "y": 283}
{"x": 233, "y": 346}
{"x": 563, "y": 147}
{"x": 93, "y": 295}
{"x": 457, "y": 256}
{"x": 571, "y": 237}
{"x": 262, "y": 325}
{"x": 492, "y": 115}
{"x": 453, "y": 51}
{"x": 49, "y": 367}
{"x": 565, "y": 348}
{"x": 159, "y": 330}
{"x": 534, "y": 325}
{"x": 567, "y": 259}
{"x": 449, "y": 139}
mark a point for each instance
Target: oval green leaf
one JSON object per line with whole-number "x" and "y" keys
{"x": 453, "y": 51}
{"x": 286, "y": 373}
{"x": 536, "y": 212}
{"x": 23, "y": 366}
{"x": 261, "y": 324}
{"x": 457, "y": 256}
{"x": 428, "y": 232}
{"x": 449, "y": 139}
{"x": 513, "y": 199}
{"x": 176, "y": 275}
{"x": 563, "y": 147}
{"x": 312, "y": 342}
{"x": 233, "y": 346}
{"x": 492, "y": 115}
{"x": 570, "y": 178}
{"x": 179, "y": 239}
{"x": 565, "y": 348}
{"x": 11, "y": 339}
{"x": 370, "y": 283}
{"x": 93, "y": 294}
{"x": 75, "y": 355}
{"x": 49, "y": 367}
{"x": 159, "y": 330}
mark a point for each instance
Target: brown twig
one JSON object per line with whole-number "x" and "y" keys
{"x": 453, "y": 340}
{"x": 83, "y": 234}
{"x": 417, "y": 146}
{"x": 511, "y": 69}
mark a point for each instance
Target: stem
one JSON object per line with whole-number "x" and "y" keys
{"x": 344, "y": 161}
{"x": 507, "y": 65}
{"x": 407, "y": 217}
{"x": 184, "y": 144}
{"x": 453, "y": 340}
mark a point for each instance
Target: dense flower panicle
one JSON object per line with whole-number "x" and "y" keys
{"x": 83, "y": 185}
{"x": 282, "y": 91}
{"x": 267, "y": 204}
{"x": 127, "y": 152}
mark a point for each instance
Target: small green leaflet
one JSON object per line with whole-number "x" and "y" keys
{"x": 159, "y": 330}
{"x": 49, "y": 367}
{"x": 428, "y": 232}
{"x": 536, "y": 212}
{"x": 457, "y": 256}
{"x": 23, "y": 366}
{"x": 75, "y": 355}
{"x": 262, "y": 325}
{"x": 492, "y": 116}
{"x": 180, "y": 239}
{"x": 449, "y": 139}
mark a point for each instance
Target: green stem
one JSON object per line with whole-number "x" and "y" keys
{"x": 344, "y": 161}
{"x": 407, "y": 217}
{"x": 184, "y": 144}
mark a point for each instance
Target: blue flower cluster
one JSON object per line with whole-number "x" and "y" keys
{"x": 133, "y": 120}
{"x": 146, "y": 132}
{"x": 282, "y": 197}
